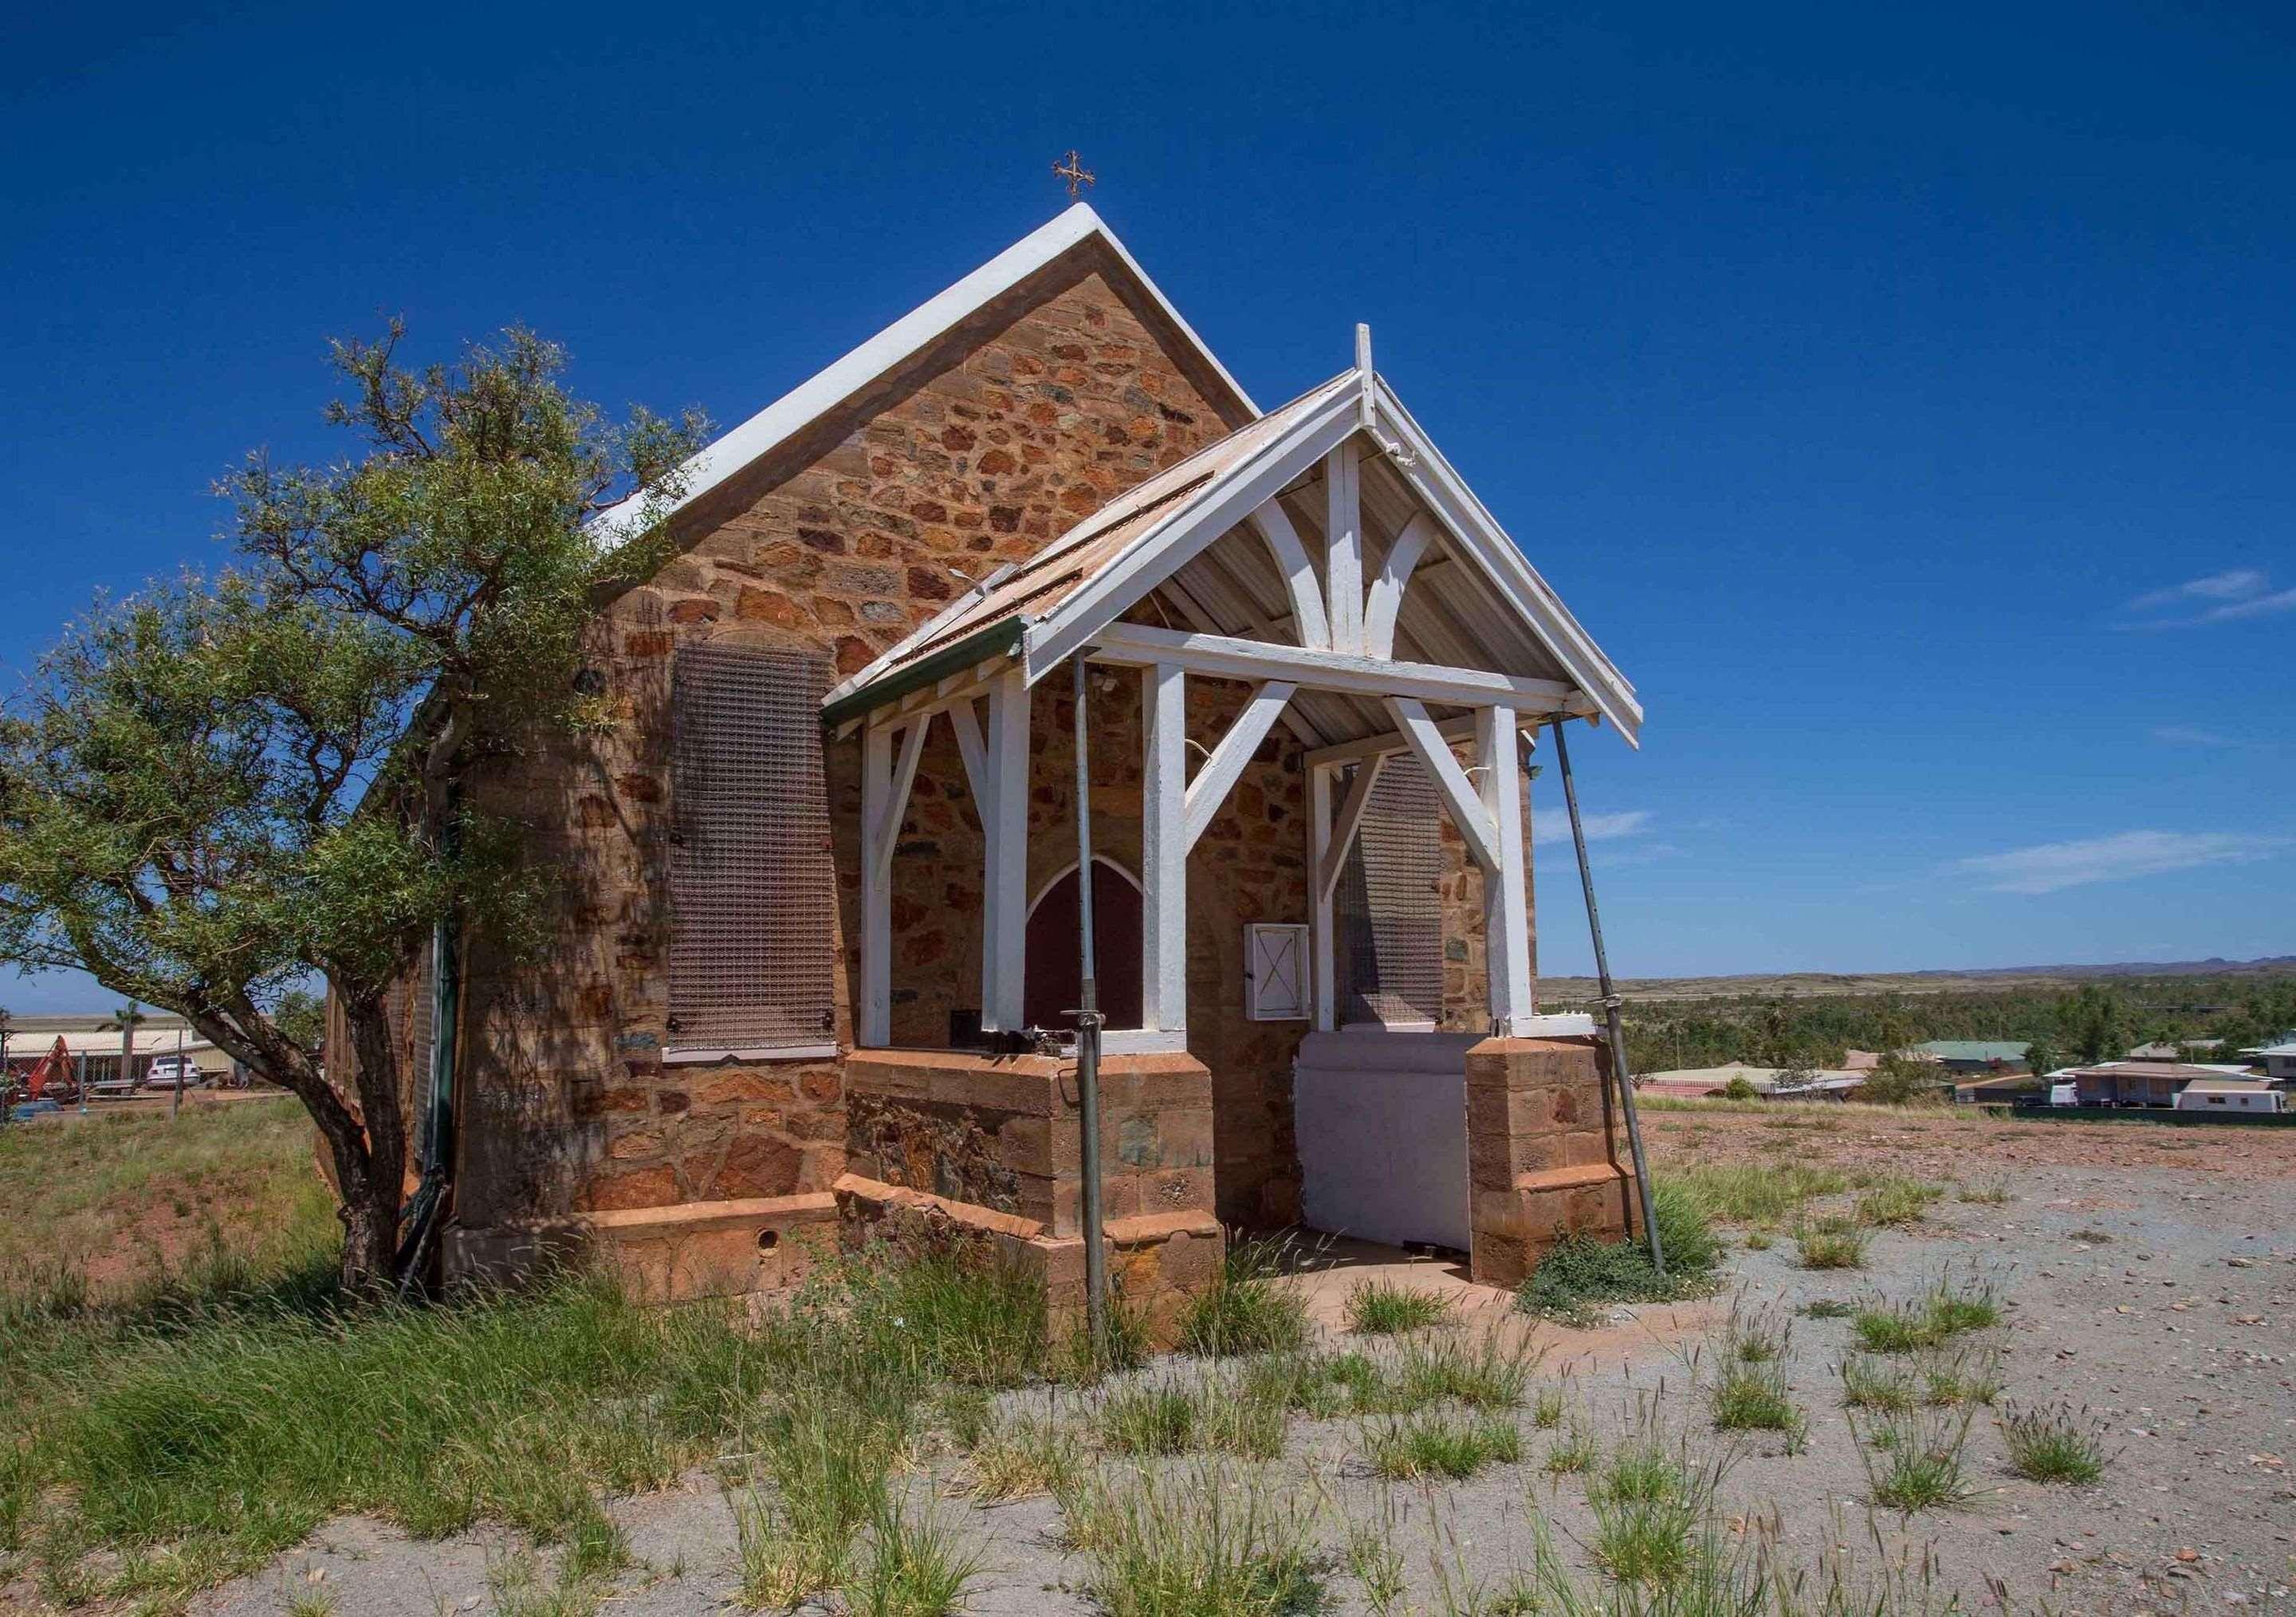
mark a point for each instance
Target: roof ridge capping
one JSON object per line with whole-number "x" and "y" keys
{"x": 903, "y": 339}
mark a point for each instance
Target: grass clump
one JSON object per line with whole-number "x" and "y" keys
{"x": 1381, "y": 1308}
{"x": 1578, "y": 1275}
{"x": 1573, "y": 1453}
{"x": 1441, "y": 1445}
{"x": 1747, "y": 1193}
{"x": 1877, "y": 1385}
{"x": 1909, "y": 1327}
{"x": 1896, "y": 1203}
{"x": 1318, "y": 1385}
{"x": 1962, "y": 1378}
{"x": 1827, "y": 1308}
{"x": 1915, "y": 1462}
{"x": 1490, "y": 1369}
{"x": 1211, "y": 1542}
{"x": 1749, "y": 1392}
{"x": 1995, "y": 1195}
{"x": 2051, "y": 1443}
{"x": 1817, "y": 1247}
{"x": 915, "y": 1567}
{"x": 1250, "y": 1308}
{"x": 1030, "y": 1456}
{"x": 1149, "y": 1420}
{"x": 1648, "y": 1502}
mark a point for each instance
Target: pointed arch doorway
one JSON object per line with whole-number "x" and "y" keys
{"x": 1054, "y": 978}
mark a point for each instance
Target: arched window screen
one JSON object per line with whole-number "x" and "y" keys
{"x": 1388, "y": 905}
{"x": 752, "y": 886}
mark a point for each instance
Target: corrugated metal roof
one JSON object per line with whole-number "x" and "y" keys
{"x": 1976, "y": 1049}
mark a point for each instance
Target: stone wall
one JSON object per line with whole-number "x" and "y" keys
{"x": 1545, "y": 1155}
{"x": 997, "y": 442}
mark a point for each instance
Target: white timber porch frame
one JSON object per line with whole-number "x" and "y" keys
{"x": 997, "y": 768}
{"x": 1345, "y": 624}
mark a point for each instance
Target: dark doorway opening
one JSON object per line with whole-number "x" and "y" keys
{"x": 1056, "y": 965}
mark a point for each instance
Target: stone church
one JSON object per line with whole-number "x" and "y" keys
{"x": 817, "y": 942}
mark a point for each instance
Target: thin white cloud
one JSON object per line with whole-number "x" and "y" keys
{"x": 2236, "y": 584}
{"x": 2054, "y": 866}
{"x": 2231, "y": 596}
{"x": 2186, "y": 736}
{"x": 1600, "y": 827}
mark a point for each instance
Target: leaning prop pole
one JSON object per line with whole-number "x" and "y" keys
{"x": 1089, "y": 1020}
{"x": 1624, "y": 1078}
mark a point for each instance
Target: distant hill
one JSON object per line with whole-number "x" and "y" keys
{"x": 1792, "y": 983}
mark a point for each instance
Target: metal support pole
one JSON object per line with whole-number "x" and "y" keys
{"x": 1089, "y": 1020}
{"x": 1618, "y": 1073}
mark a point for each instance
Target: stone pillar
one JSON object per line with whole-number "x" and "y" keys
{"x": 1546, "y": 1156}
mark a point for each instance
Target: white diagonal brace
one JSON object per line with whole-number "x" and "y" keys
{"x": 1341, "y": 835}
{"x": 1226, "y": 766}
{"x": 965, "y": 720}
{"x": 1299, "y": 581}
{"x": 1459, "y": 794}
{"x": 887, "y": 829}
{"x": 1386, "y": 599}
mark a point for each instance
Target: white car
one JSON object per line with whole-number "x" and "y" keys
{"x": 162, "y": 1075}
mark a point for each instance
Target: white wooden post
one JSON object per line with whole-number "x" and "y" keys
{"x": 1005, "y": 821}
{"x": 1320, "y": 951}
{"x": 1164, "y": 851}
{"x": 1343, "y": 548}
{"x": 876, "y": 894}
{"x": 1505, "y": 901}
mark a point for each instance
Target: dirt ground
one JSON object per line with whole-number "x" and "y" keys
{"x": 2147, "y": 1274}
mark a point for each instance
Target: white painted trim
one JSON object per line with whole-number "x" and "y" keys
{"x": 874, "y": 1017}
{"x": 1226, "y": 657}
{"x": 1275, "y": 528}
{"x": 1556, "y": 1024}
{"x": 1459, "y": 795}
{"x": 1005, "y": 935}
{"x": 1194, "y": 522}
{"x": 1506, "y": 913}
{"x": 1144, "y": 1041}
{"x": 1164, "y": 849}
{"x": 1386, "y": 598}
{"x": 1320, "y": 951}
{"x": 1481, "y": 537}
{"x": 1100, "y": 861}
{"x": 1343, "y": 834}
{"x": 822, "y": 1052}
{"x": 1226, "y": 765}
{"x": 904, "y": 340}
{"x": 1343, "y": 546}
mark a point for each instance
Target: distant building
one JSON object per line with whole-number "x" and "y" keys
{"x": 1797, "y": 1083}
{"x": 2230, "y": 1094}
{"x": 1997, "y": 1086}
{"x": 2140, "y": 1083}
{"x": 2278, "y": 1059}
{"x": 1973, "y": 1054}
{"x": 2183, "y": 1050}
{"x": 94, "y": 1045}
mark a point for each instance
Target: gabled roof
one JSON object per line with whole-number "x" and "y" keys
{"x": 903, "y": 340}
{"x": 1489, "y": 610}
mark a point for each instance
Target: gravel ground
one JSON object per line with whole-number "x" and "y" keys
{"x": 2150, "y": 1279}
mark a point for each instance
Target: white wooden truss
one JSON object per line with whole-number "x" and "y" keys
{"x": 1337, "y": 640}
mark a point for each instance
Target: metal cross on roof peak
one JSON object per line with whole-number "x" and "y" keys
{"x": 1069, "y": 170}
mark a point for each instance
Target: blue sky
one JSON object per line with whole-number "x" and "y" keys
{"x": 1904, "y": 400}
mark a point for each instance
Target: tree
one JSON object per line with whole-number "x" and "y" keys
{"x": 222, "y": 785}
{"x": 2041, "y": 1058}
{"x": 2094, "y": 1023}
{"x": 129, "y": 1016}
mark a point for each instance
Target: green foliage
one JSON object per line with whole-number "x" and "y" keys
{"x": 1741, "y": 1088}
{"x": 1915, "y": 1462}
{"x": 1576, "y": 1276}
{"x": 1820, "y": 1245}
{"x": 222, "y": 787}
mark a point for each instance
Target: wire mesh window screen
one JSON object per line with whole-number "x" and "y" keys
{"x": 752, "y": 881}
{"x": 1389, "y": 903}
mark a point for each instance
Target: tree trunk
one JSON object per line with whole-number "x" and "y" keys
{"x": 371, "y": 1201}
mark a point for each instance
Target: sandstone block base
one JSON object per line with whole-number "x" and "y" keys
{"x": 1545, "y": 1155}
{"x": 661, "y": 1254}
